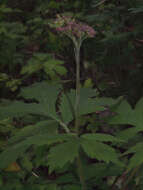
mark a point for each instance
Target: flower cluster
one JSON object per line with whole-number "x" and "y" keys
{"x": 67, "y": 25}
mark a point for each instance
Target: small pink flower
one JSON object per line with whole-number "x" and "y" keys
{"x": 69, "y": 26}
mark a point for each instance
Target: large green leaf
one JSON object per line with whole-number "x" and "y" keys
{"x": 95, "y": 149}
{"x": 40, "y": 128}
{"x": 45, "y": 94}
{"x": 11, "y": 153}
{"x": 124, "y": 114}
{"x": 88, "y": 103}
{"x": 63, "y": 153}
{"x": 18, "y": 109}
{"x": 127, "y": 115}
{"x": 101, "y": 137}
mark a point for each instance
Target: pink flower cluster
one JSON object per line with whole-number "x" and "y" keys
{"x": 69, "y": 26}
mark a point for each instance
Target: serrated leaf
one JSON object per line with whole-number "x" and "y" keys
{"x": 45, "y": 94}
{"x": 17, "y": 150}
{"x": 31, "y": 68}
{"x": 43, "y": 127}
{"x": 53, "y": 67}
{"x": 99, "y": 150}
{"x": 127, "y": 133}
{"x": 19, "y": 109}
{"x": 62, "y": 153}
{"x": 87, "y": 104}
{"x": 101, "y": 137}
{"x": 127, "y": 115}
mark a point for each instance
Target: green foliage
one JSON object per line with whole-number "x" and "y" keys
{"x": 45, "y": 132}
{"x": 52, "y": 67}
{"x": 33, "y": 122}
{"x": 68, "y": 149}
{"x": 88, "y": 103}
{"x": 127, "y": 115}
{"x": 18, "y": 148}
{"x": 95, "y": 148}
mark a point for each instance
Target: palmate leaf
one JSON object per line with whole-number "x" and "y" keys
{"x": 127, "y": 115}
{"x": 62, "y": 153}
{"x": 11, "y": 153}
{"x": 45, "y": 94}
{"x": 87, "y": 104}
{"x": 94, "y": 148}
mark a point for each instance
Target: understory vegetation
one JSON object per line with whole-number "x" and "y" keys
{"x": 71, "y": 101}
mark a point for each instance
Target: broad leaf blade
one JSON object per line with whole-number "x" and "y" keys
{"x": 19, "y": 109}
{"x": 17, "y": 150}
{"x": 62, "y": 153}
{"x": 100, "y": 151}
{"x": 41, "y": 128}
{"x": 87, "y": 103}
{"x": 46, "y": 95}
{"x": 124, "y": 114}
{"x": 127, "y": 115}
{"x": 101, "y": 137}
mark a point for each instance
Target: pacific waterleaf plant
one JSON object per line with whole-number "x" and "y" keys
{"x": 42, "y": 99}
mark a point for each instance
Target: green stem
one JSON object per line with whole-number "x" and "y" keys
{"x": 77, "y": 99}
{"x": 80, "y": 173}
{"x": 61, "y": 123}
{"x": 77, "y": 57}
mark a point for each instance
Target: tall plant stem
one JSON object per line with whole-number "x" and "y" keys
{"x": 77, "y": 99}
